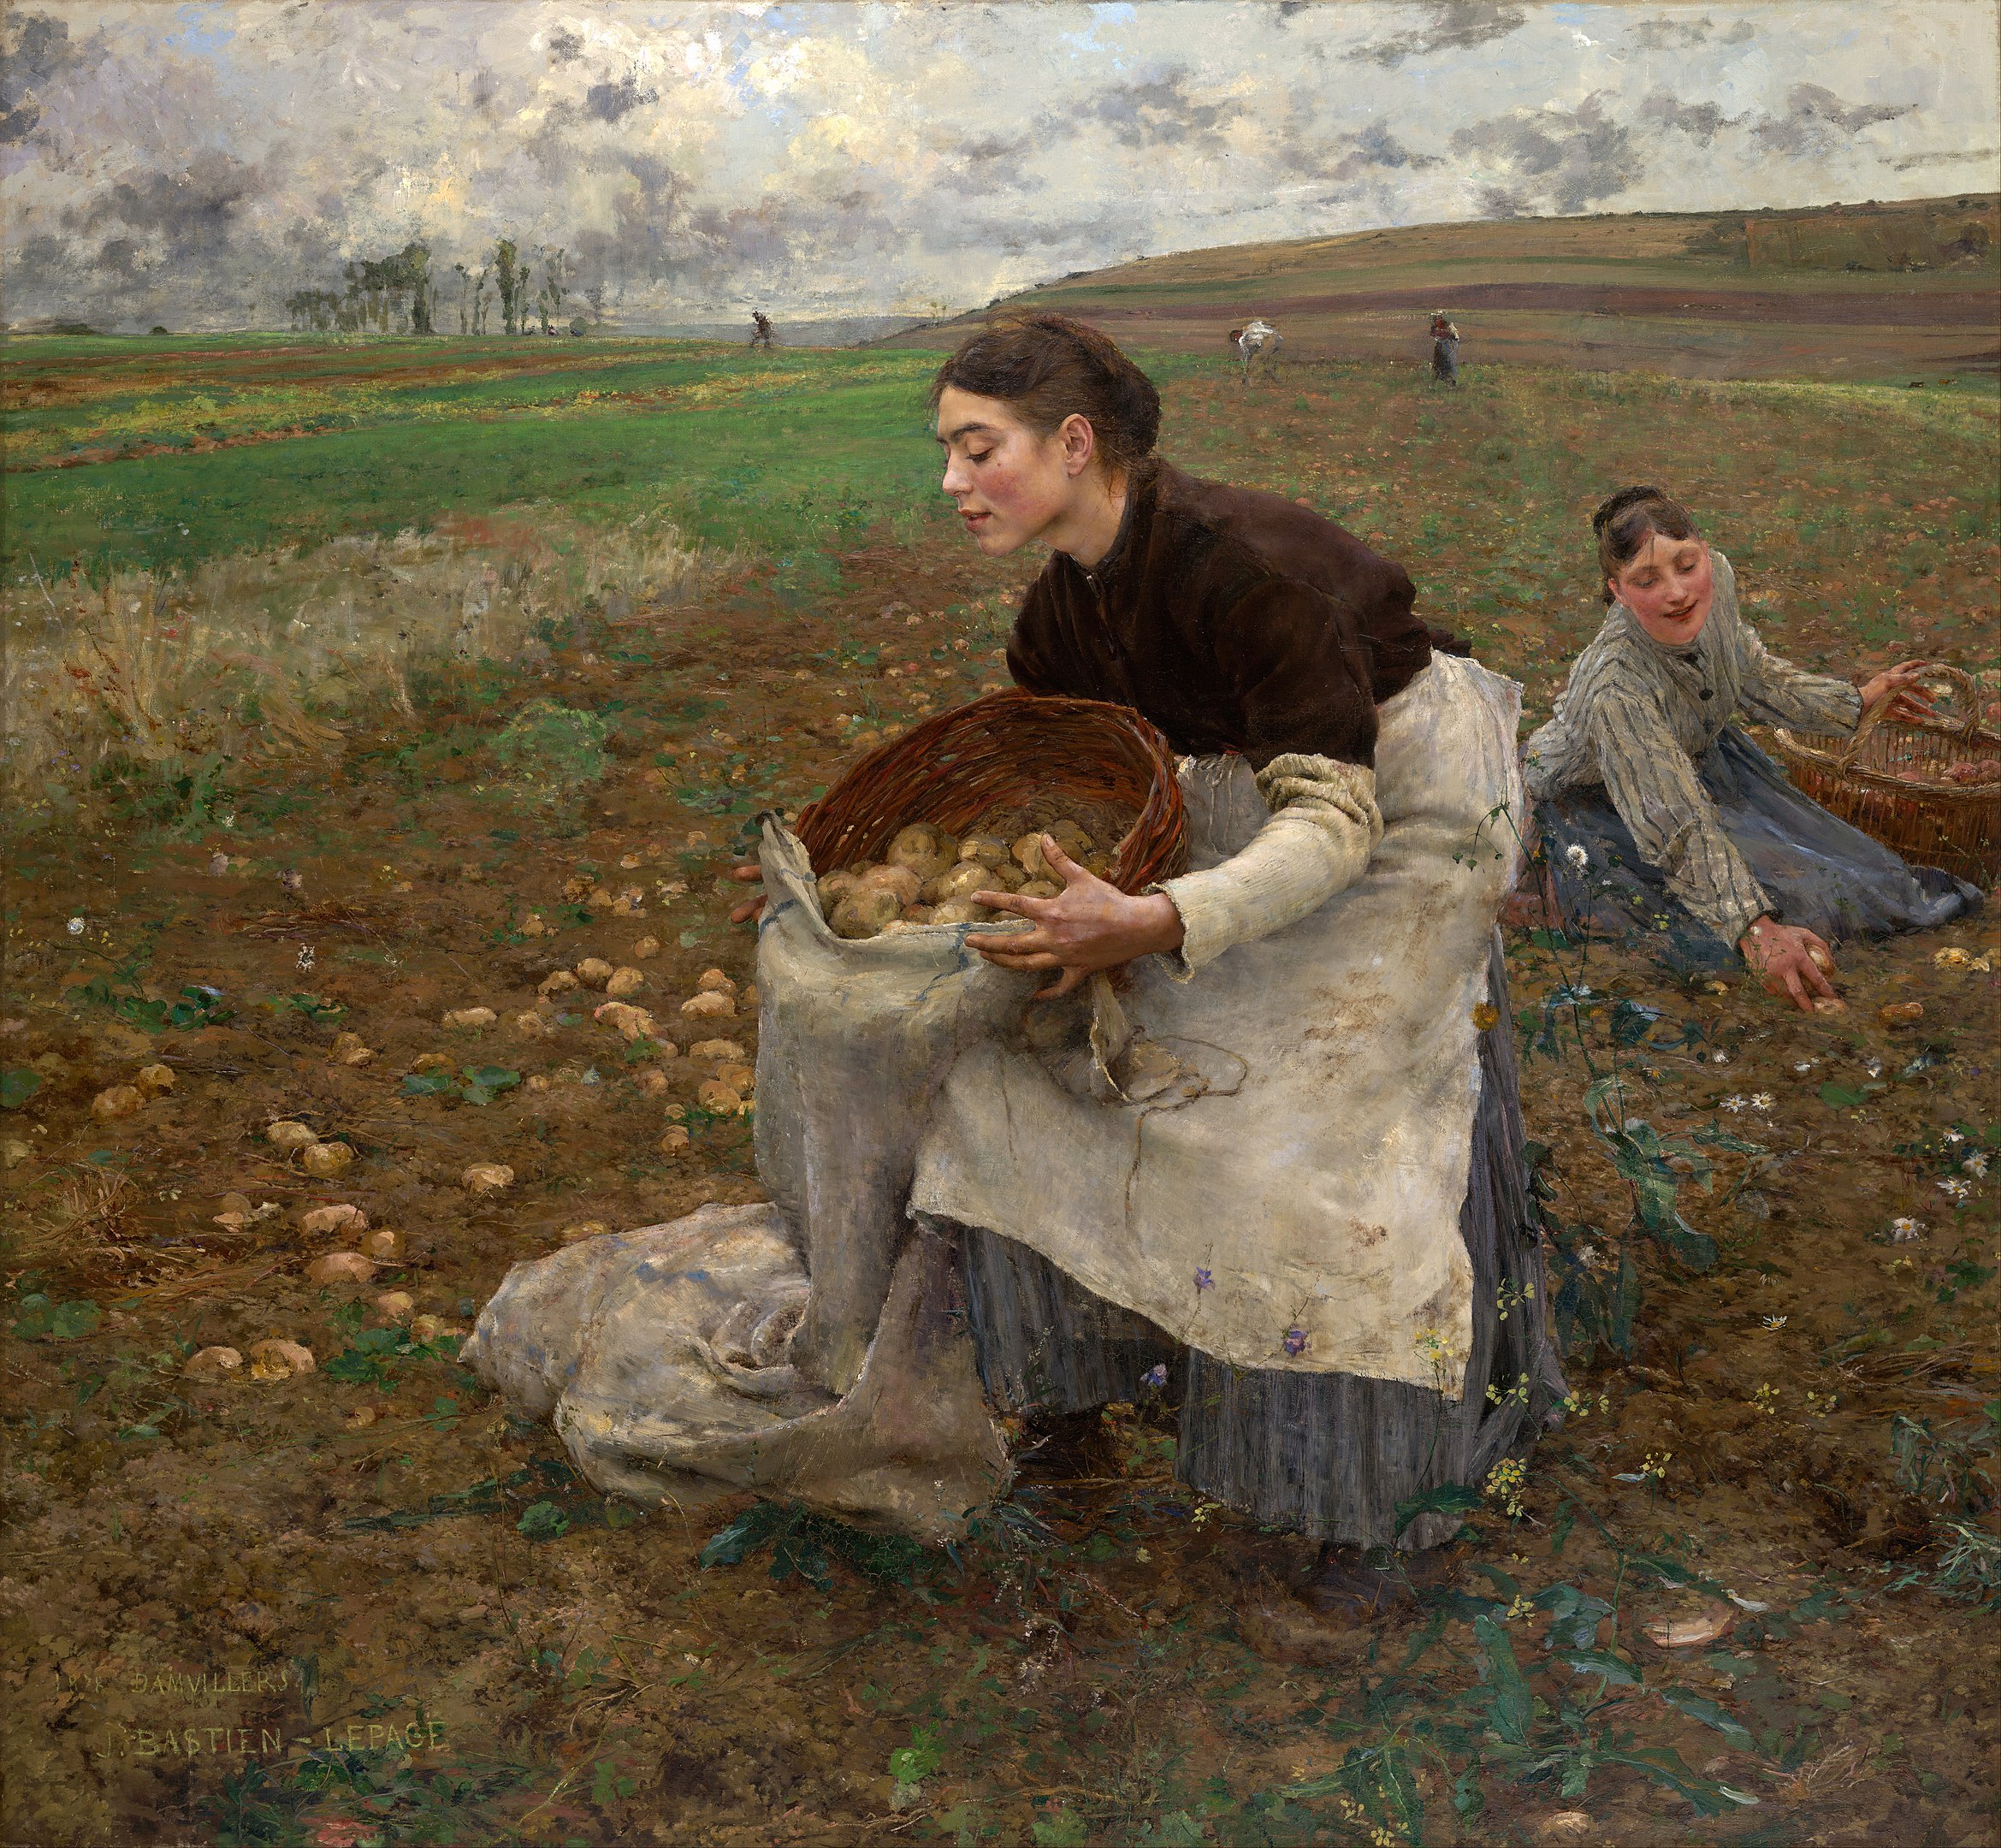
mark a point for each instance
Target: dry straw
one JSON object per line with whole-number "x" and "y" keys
{"x": 262, "y": 656}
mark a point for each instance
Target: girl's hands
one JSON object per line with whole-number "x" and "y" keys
{"x": 750, "y": 873}
{"x": 1785, "y": 956}
{"x": 1092, "y": 926}
{"x": 1899, "y": 682}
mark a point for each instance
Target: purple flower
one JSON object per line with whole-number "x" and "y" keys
{"x": 1295, "y": 1341}
{"x": 1155, "y": 1376}
{"x": 1203, "y": 1280}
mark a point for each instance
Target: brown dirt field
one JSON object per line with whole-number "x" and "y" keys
{"x": 1971, "y": 307}
{"x": 233, "y": 1584}
{"x": 76, "y": 376}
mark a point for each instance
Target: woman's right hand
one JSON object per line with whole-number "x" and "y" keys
{"x": 1791, "y": 959}
{"x": 1902, "y": 685}
{"x": 750, "y": 871}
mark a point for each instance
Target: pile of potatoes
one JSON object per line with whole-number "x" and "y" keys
{"x": 928, "y": 877}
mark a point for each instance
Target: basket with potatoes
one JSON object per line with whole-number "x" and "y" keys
{"x": 1928, "y": 788}
{"x": 959, "y": 805}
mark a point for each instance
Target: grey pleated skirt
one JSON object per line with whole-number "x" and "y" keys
{"x": 1817, "y": 870}
{"x": 1327, "y": 1454}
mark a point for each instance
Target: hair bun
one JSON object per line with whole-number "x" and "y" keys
{"x": 1613, "y": 505}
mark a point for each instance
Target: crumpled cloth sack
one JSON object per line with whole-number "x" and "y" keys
{"x": 661, "y": 1357}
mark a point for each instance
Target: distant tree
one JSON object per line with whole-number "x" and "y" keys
{"x": 479, "y": 302}
{"x": 317, "y": 309}
{"x": 508, "y": 280}
{"x": 548, "y": 299}
{"x": 464, "y": 278}
{"x": 157, "y": 330}
{"x": 413, "y": 264}
{"x": 595, "y": 296}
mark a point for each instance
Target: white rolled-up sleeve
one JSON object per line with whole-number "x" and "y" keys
{"x": 1325, "y": 825}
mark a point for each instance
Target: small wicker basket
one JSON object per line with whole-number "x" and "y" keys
{"x": 1012, "y": 761}
{"x": 1887, "y": 781}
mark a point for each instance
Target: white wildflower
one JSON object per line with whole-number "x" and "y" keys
{"x": 1761, "y": 1100}
{"x": 1903, "y": 1231}
{"x": 1775, "y": 1323}
{"x": 1734, "y": 1104}
{"x": 1953, "y": 1135}
{"x": 1577, "y": 857}
{"x": 76, "y": 927}
{"x": 1975, "y": 1166}
{"x": 1720, "y": 1058}
{"x": 1806, "y": 1065}
{"x": 1954, "y": 1188}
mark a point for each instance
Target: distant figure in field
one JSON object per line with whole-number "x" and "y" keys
{"x": 760, "y": 329}
{"x": 1445, "y": 349}
{"x": 1253, "y": 338}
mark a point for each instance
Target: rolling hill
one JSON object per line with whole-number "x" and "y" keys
{"x": 1873, "y": 291}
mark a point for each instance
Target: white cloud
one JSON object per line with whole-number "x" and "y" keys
{"x": 201, "y": 162}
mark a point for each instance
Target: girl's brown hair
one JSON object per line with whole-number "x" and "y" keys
{"x": 1625, "y": 519}
{"x": 1046, "y": 367}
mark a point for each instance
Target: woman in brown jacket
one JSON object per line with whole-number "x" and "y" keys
{"x": 1244, "y": 627}
{"x": 1233, "y": 619}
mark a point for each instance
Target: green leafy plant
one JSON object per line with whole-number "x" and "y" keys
{"x": 39, "y": 1318}
{"x": 805, "y": 1545}
{"x": 909, "y": 1765}
{"x": 1953, "y": 1466}
{"x": 321, "y": 1013}
{"x": 475, "y": 1084}
{"x": 198, "y": 1007}
{"x": 549, "y": 752}
{"x": 378, "y": 1354}
{"x": 17, "y": 1085}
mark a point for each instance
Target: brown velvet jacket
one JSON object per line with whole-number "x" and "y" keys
{"x": 1233, "y": 619}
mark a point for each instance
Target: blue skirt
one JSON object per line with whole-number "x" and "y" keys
{"x": 1818, "y": 871}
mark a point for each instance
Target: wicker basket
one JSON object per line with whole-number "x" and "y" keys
{"x": 1864, "y": 780}
{"x": 1012, "y": 761}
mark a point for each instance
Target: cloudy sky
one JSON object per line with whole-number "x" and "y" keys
{"x": 196, "y": 163}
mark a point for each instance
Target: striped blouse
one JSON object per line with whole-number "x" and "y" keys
{"x": 1637, "y": 714}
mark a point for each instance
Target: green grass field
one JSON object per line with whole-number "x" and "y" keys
{"x": 1864, "y": 518}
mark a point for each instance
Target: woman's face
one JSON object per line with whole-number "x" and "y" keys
{"x": 1011, "y": 485}
{"x": 1667, "y": 586}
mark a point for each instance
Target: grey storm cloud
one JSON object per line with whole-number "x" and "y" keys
{"x": 1454, "y": 25}
{"x": 608, "y": 102}
{"x": 192, "y": 207}
{"x": 1699, "y": 121}
{"x": 1162, "y": 108}
{"x": 1552, "y": 160}
{"x": 1946, "y": 157}
{"x": 33, "y": 52}
{"x": 1666, "y": 34}
{"x": 1815, "y": 119}
{"x": 197, "y": 164}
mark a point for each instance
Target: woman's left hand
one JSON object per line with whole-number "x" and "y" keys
{"x": 1092, "y": 926}
{"x": 1897, "y": 683}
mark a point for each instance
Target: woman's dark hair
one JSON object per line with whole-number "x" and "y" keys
{"x": 1046, "y": 367}
{"x": 1625, "y": 519}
